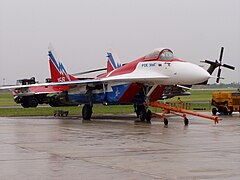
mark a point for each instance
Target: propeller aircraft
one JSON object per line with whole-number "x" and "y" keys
{"x": 217, "y": 64}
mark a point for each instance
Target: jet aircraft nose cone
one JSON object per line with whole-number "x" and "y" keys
{"x": 198, "y": 74}
{"x": 192, "y": 73}
{"x": 204, "y": 74}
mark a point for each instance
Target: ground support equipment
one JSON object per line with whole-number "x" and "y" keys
{"x": 60, "y": 113}
{"x": 180, "y": 112}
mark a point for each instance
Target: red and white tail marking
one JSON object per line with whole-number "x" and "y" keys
{"x": 113, "y": 61}
{"x": 57, "y": 69}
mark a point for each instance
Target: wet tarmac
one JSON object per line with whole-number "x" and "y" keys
{"x": 114, "y": 147}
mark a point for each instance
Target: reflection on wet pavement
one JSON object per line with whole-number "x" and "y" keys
{"x": 117, "y": 148}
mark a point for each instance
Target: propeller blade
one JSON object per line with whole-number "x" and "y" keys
{"x": 218, "y": 75}
{"x": 217, "y": 64}
{"x": 228, "y": 66}
{"x": 208, "y": 62}
{"x": 88, "y": 72}
{"x": 221, "y": 55}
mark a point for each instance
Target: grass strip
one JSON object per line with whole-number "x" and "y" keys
{"x": 199, "y": 99}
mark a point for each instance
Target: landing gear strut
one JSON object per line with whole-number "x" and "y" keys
{"x": 87, "y": 111}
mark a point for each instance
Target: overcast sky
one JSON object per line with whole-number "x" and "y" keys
{"x": 81, "y": 32}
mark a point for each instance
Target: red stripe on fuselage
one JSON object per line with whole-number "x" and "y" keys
{"x": 130, "y": 92}
{"x": 130, "y": 67}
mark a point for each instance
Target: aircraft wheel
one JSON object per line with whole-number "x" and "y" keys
{"x": 148, "y": 116}
{"x": 142, "y": 115}
{"x": 186, "y": 121}
{"x": 165, "y": 121}
{"x": 138, "y": 108}
{"x": 214, "y": 111}
{"x": 87, "y": 112}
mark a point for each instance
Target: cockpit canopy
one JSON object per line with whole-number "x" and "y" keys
{"x": 160, "y": 54}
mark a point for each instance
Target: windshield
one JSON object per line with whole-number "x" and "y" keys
{"x": 166, "y": 55}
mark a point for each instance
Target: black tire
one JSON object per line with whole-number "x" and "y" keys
{"x": 225, "y": 111}
{"x": 142, "y": 115}
{"x": 54, "y": 102}
{"x": 186, "y": 121}
{"x": 165, "y": 121}
{"x": 214, "y": 111}
{"x": 29, "y": 102}
{"x": 231, "y": 111}
{"x": 32, "y": 102}
{"x": 87, "y": 112}
{"x": 138, "y": 108}
{"x": 148, "y": 116}
{"x": 25, "y": 104}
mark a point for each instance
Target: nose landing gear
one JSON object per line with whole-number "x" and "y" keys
{"x": 143, "y": 113}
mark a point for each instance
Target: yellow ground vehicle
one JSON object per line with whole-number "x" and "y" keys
{"x": 225, "y": 102}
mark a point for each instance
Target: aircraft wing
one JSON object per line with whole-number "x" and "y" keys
{"x": 49, "y": 87}
{"x": 61, "y": 86}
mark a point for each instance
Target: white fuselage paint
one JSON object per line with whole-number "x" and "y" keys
{"x": 166, "y": 73}
{"x": 154, "y": 73}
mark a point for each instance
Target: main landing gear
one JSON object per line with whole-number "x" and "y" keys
{"x": 143, "y": 113}
{"x": 87, "y": 112}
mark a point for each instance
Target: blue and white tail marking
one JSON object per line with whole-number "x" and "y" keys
{"x": 57, "y": 69}
{"x": 60, "y": 67}
{"x": 113, "y": 61}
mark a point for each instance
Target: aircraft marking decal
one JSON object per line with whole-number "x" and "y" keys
{"x": 114, "y": 64}
{"x": 59, "y": 66}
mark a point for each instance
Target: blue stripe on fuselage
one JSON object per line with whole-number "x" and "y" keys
{"x": 99, "y": 98}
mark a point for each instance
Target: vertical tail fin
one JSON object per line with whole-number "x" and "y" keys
{"x": 57, "y": 69}
{"x": 113, "y": 61}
